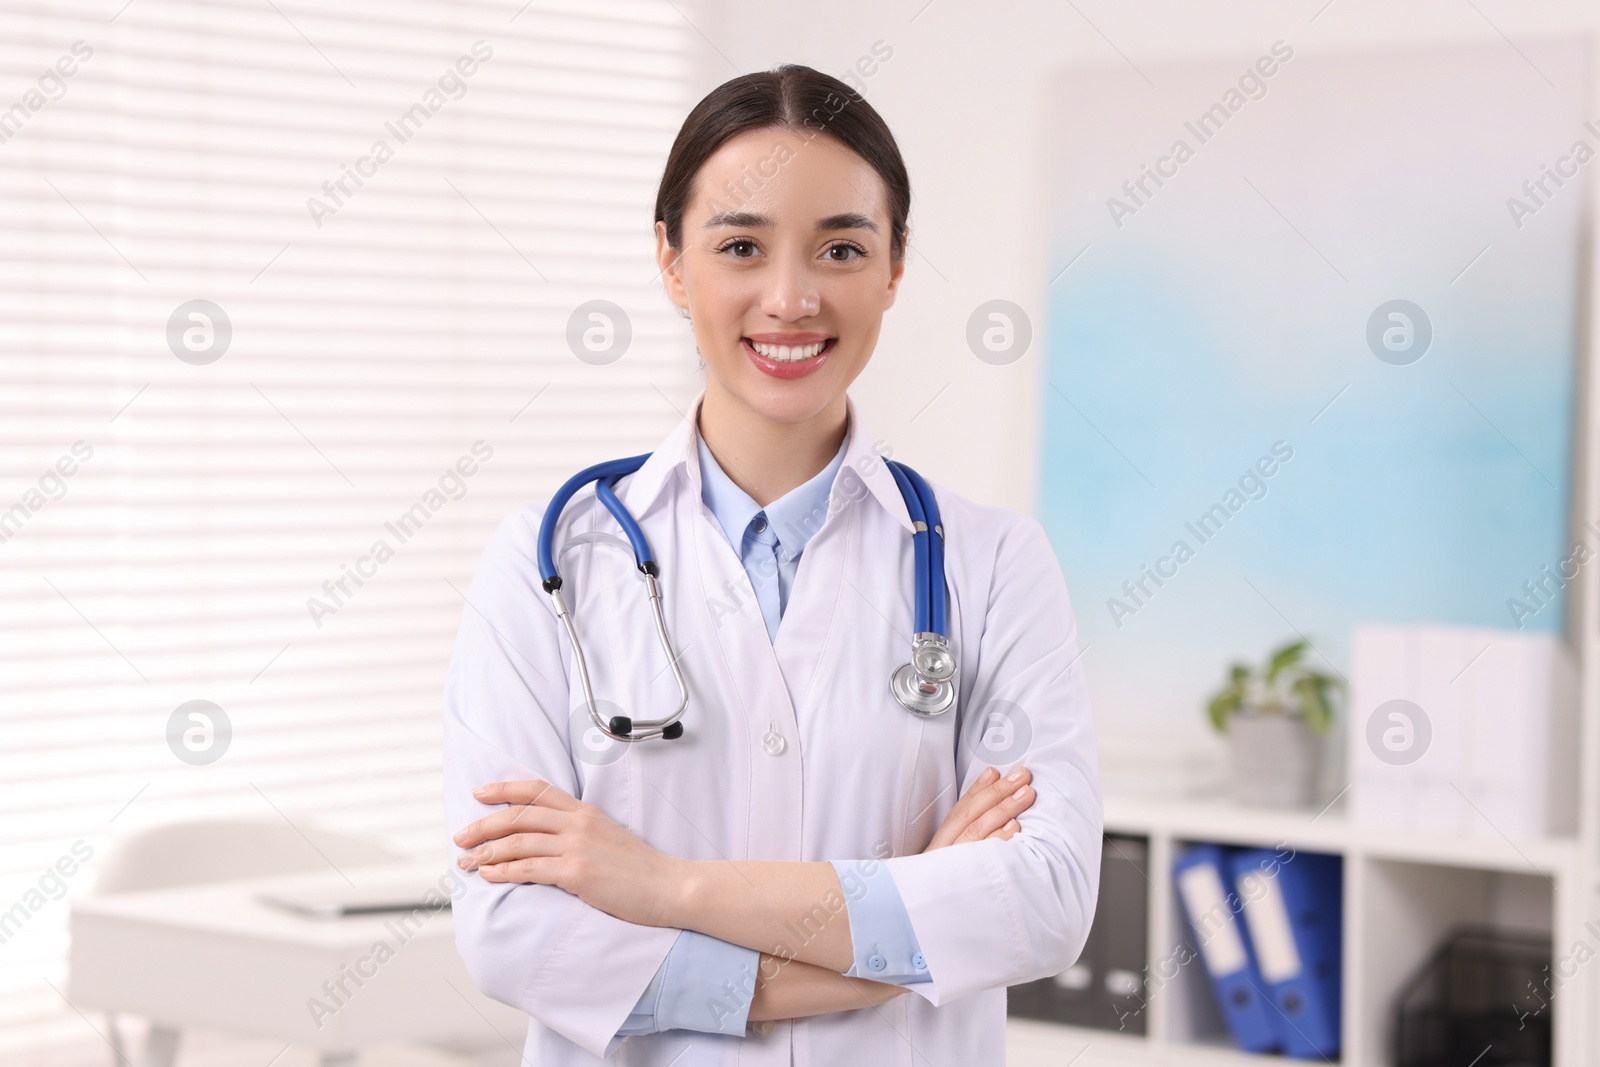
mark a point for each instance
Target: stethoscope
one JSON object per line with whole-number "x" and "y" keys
{"x": 925, "y": 686}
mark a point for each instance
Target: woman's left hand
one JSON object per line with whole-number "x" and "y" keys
{"x": 549, "y": 837}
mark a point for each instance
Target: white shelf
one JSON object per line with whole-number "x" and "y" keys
{"x": 1030, "y": 1043}
{"x": 1225, "y": 822}
{"x": 1403, "y": 891}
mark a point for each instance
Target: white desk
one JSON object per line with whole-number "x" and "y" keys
{"x": 213, "y": 957}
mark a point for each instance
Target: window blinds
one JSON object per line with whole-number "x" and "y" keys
{"x": 284, "y": 283}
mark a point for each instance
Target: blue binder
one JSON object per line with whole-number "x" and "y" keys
{"x": 1293, "y": 911}
{"x": 1205, "y": 889}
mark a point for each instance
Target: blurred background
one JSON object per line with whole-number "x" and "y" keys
{"x": 1275, "y": 314}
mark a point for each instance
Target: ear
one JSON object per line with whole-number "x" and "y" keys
{"x": 897, "y": 270}
{"x": 668, "y": 260}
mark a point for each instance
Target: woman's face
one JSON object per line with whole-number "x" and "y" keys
{"x": 784, "y": 270}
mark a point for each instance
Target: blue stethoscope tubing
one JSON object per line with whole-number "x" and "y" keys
{"x": 925, "y": 686}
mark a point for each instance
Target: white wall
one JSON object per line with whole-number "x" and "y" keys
{"x": 962, "y": 93}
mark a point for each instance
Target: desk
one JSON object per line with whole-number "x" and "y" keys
{"x": 214, "y": 957}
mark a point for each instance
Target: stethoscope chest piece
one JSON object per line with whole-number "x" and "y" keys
{"x": 920, "y": 696}
{"x": 926, "y": 685}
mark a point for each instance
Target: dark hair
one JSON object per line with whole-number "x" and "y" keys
{"x": 792, "y": 97}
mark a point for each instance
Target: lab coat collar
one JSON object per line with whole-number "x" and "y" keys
{"x": 679, "y": 455}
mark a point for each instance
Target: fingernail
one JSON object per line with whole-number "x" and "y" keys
{"x": 1019, "y": 794}
{"x": 1016, "y": 775}
{"x": 481, "y": 790}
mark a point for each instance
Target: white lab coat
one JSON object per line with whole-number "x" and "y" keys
{"x": 858, "y": 775}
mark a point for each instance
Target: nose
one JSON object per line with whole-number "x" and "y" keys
{"x": 792, "y": 294}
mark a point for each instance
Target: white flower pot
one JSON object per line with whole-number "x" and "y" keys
{"x": 1274, "y": 759}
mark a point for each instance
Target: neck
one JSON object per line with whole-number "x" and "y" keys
{"x": 764, "y": 457}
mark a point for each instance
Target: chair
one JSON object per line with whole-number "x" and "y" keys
{"x": 220, "y": 850}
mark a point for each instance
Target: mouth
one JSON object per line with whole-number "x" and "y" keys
{"x": 788, "y": 361}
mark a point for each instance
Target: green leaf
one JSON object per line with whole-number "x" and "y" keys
{"x": 1312, "y": 689}
{"x": 1228, "y": 699}
{"x": 1221, "y": 706}
{"x": 1284, "y": 657}
{"x": 1285, "y": 686}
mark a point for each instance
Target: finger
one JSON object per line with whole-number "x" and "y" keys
{"x": 988, "y": 791}
{"x": 506, "y": 849}
{"x": 965, "y": 809}
{"x": 979, "y": 800}
{"x": 987, "y": 778}
{"x": 952, "y": 823}
{"x": 540, "y": 871}
{"x": 1008, "y": 831}
{"x": 996, "y": 817}
{"x": 531, "y": 791}
{"x": 523, "y": 817}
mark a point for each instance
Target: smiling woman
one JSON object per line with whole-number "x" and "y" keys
{"x": 738, "y": 886}
{"x": 816, "y": 237}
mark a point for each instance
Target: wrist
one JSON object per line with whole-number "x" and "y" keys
{"x": 686, "y": 890}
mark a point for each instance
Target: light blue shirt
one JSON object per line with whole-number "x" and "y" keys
{"x": 699, "y": 970}
{"x": 768, "y": 540}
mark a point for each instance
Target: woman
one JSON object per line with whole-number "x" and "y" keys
{"x": 766, "y": 888}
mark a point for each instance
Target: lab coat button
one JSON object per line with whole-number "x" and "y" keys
{"x": 918, "y": 962}
{"x": 762, "y": 1028}
{"x": 773, "y": 743}
{"x": 877, "y": 962}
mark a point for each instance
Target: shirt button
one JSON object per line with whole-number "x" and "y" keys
{"x": 773, "y": 743}
{"x": 759, "y": 523}
{"x": 918, "y": 962}
{"x": 877, "y": 962}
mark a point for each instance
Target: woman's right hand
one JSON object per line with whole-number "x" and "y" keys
{"x": 989, "y": 809}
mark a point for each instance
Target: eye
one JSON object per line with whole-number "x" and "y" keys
{"x": 738, "y": 242}
{"x": 846, "y": 246}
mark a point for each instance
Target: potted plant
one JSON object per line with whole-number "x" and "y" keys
{"x": 1274, "y": 718}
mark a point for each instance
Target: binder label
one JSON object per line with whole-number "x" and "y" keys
{"x": 1220, "y": 943}
{"x": 1268, "y": 922}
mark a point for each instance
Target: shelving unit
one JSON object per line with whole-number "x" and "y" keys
{"x": 1402, "y": 891}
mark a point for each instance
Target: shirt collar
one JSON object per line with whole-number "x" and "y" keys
{"x": 793, "y": 517}
{"x": 861, "y": 472}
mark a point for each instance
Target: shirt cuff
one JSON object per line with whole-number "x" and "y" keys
{"x": 881, "y": 938}
{"x": 704, "y": 984}
{"x": 642, "y": 1019}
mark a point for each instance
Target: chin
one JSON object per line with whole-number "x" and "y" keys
{"x": 791, "y": 402}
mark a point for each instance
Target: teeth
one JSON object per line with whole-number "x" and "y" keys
{"x": 788, "y": 354}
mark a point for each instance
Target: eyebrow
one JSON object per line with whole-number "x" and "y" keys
{"x": 750, "y": 220}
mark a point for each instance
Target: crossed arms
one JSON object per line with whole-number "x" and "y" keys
{"x": 546, "y": 836}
